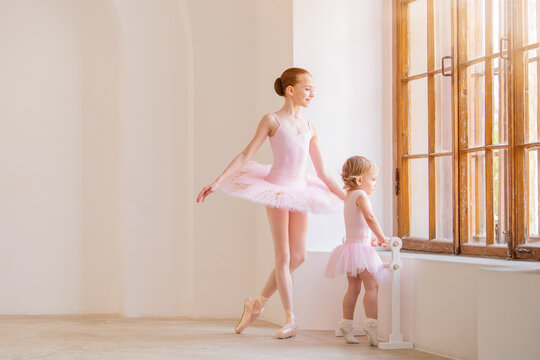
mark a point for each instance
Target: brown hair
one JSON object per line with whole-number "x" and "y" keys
{"x": 288, "y": 78}
{"x": 355, "y": 167}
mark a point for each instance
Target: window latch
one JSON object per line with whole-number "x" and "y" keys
{"x": 397, "y": 182}
{"x": 443, "y": 69}
{"x": 504, "y": 53}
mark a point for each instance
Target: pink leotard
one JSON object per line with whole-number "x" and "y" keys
{"x": 356, "y": 254}
{"x": 285, "y": 184}
{"x": 290, "y": 152}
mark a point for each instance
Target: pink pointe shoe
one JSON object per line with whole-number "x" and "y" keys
{"x": 252, "y": 310}
{"x": 287, "y": 331}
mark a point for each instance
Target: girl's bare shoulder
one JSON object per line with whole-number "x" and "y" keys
{"x": 269, "y": 118}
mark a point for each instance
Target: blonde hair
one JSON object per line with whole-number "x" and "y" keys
{"x": 355, "y": 167}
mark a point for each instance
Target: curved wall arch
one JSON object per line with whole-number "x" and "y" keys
{"x": 156, "y": 157}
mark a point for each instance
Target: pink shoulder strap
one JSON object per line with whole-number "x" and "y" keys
{"x": 275, "y": 116}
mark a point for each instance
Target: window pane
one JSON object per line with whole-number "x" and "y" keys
{"x": 443, "y": 113}
{"x": 500, "y": 103}
{"x": 500, "y": 202}
{"x": 419, "y": 198}
{"x": 531, "y": 60}
{"x": 477, "y": 198}
{"x": 497, "y": 26}
{"x": 443, "y": 30}
{"x": 476, "y": 105}
{"x": 531, "y": 12}
{"x": 475, "y": 28}
{"x": 533, "y": 158}
{"x": 443, "y": 172}
{"x": 418, "y": 112}
{"x": 527, "y": 26}
{"x": 417, "y": 37}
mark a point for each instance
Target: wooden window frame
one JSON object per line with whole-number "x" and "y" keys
{"x": 403, "y": 155}
{"x": 514, "y": 177}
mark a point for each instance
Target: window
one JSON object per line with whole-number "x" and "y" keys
{"x": 467, "y": 126}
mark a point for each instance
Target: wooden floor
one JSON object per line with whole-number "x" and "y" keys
{"x": 110, "y": 337}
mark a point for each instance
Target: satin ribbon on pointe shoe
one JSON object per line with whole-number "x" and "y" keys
{"x": 287, "y": 331}
{"x": 252, "y": 310}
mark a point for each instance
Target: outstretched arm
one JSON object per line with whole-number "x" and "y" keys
{"x": 318, "y": 163}
{"x": 363, "y": 203}
{"x": 263, "y": 130}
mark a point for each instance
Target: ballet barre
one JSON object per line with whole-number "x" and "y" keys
{"x": 396, "y": 338}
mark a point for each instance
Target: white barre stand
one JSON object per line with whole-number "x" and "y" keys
{"x": 396, "y": 338}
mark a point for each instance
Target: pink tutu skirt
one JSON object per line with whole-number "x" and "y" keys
{"x": 311, "y": 195}
{"x": 352, "y": 258}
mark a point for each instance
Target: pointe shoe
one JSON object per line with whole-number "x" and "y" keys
{"x": 347, "y": 331}
{"x": 370, "y": 326}
{"x": 287, "y": 331}
{"x": 252, "y": 310}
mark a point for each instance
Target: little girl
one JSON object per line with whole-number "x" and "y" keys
{"x": 356, "y": 256}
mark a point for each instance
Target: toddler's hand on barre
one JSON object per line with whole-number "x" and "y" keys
{"x": 377, "y": 242}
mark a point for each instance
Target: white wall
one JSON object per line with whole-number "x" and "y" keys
{"x": 59, "y": 157}
{"x": 156, "y": 147}
{"x": 347, "y": 45}
{"x": 224, "y": 121}
{"x": 508, "y": 320}
{"x": 97, "y": 137}
{"x": 109, "y": 131}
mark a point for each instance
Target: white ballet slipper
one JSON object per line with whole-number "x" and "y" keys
{"x": 370, "y": 326}
{"x": 347, "y": 329}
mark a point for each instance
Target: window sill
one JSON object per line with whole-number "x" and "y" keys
{"x": 505, "y": 264}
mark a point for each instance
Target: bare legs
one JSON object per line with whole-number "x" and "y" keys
{"x": 289, "y": 231}
{"x": 370, "y": 297}
{"x": 289, "y": 234}
{"x": 346, "y": 325}
{"x": 371, "y": 288}
{"x": 351, "y": 296}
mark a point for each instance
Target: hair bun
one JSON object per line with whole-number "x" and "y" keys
{"x": 288, "y": 78}
{"x": 278, "y": 87}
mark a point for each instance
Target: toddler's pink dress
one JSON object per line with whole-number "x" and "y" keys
{"x": 356, "y": 253}
{"x": 284, "y": 184}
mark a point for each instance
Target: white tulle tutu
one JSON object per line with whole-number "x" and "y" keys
{"x": 308, "y": 195}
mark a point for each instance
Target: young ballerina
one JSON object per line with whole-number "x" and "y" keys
{"x": 286, "y": 190}
{"x": 356, "y": 257}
